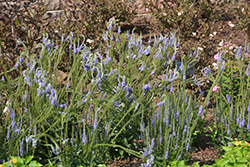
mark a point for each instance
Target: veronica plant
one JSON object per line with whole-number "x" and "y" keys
{"x": 94, "y": 112}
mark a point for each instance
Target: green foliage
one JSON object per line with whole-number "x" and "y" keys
{"x": 237, "y": 154}
{"x": 22, "y": 162}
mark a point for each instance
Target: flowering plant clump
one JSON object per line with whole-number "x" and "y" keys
{"x": 227, "y": 60}
{"x": 231, "y": 92}
{"x": 100, "y": 104}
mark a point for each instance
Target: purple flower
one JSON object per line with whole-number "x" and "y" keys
{"x": 62, "y": 39}
{"x": 179, "y": 157}
{"x": 184, "y": 77}
{"x": 84, "y": 137}
{"x": 222, "y": 67}
{"x": 150, "y": 151}
{"x": 53, "y": 92}
{"x": 145, "y": 154}
{"x": 60, "y": 112}
{"x": 12, "y": 114}
{"x": 70, "y": 45}
{"x": 152, "y": 142}
{"x": 200, "y": 110}
{"x": 247, "y": 71}
{"x": 146, "y": 52}
{"x": 16, "y": 65}
{"x": 18, "y": 131}
{"x": 129, "y": 90}
{"x": 67, "y": 86}
{"x": 13, "y": 124}
{"x": 106, "y": 129}
{"x": 172, "y": 87}
{"x": 142, "y": 126}
{"x": 63, "y": 105}
{"x": 166, "y": 154}
{"x": 134, "y": 56}
{"x": 160, "y": 139}
{"x": 105, "y": 95}
{"x": 109, "y": 27}
{"x": 2, "y": 79}
{"x": 26, "y": 109}
{"x": 228, "y": 98}
{"x": 238, "y": 52}
{"x": 146, "y": 87}
{"x": 238, "y": 120}
{"x": 142, "y": 68}
{"x": 242, "y": 123}
{"x": 151, "y": 160}
{"x": 187, "y": 148}
{"x": 153, "y": 72}
{"x": 21, "y": 59}
{"x": 21, "y": 148}
{"x": 86, "y": 67}
{"x": 30, "y": 130}
{"x": 105, "y": 38}
{"x": 173, "y": 57}
{"x": 72, "y": 35}
{"x": 8, "y": 133}
{"x": 202, "y": 92}
{"x": 207, "y": 70}
{"x": 160, "y": 103}
{"x": 248, "y": 126}
{"x": 95, "y": 123}
{"x": 75, "y": 50}
{"x": 54, "y": 101}
{"x": 28, "y": 81}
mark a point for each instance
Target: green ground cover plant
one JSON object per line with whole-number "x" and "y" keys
{"x": 115, "y": 95}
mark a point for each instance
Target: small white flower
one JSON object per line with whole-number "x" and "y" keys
{"x": 146, "y": 9}
{"x": 164, "y": 14}
{"x": 214, "y": 33}
{"x": 6, "y": 109}
{"x": 179, "y": 13}
{"x": 215, "y": 65}
{"x": 199, "y": 48}
{"x": 221, "y": 43}
{"x": 230, "y": 24}
{"x": 90, "y": 41}
{"x": 242, "y": 9}
{"x": 194, "y": 33}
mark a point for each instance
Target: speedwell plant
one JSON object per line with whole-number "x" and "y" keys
{"x": 102, "y": 103}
